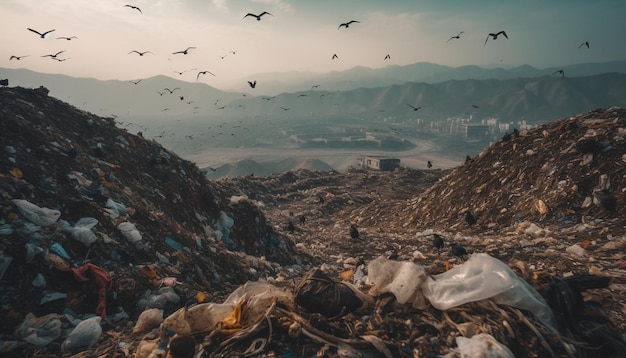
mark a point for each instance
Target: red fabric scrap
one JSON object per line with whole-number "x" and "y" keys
{"x": 102, "y": 279}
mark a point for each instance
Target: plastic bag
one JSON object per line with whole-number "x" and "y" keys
{"x": 403, "y": 279}
{"x": 482, "y": 277}
{"x": 318, "y": 293}
{"x": 482, "y": 345}
{"x": 35, "y": 214}
{"x": 148, "y": 319}
{"x": 83, "y": 336}
{"x": 130, "y": 232}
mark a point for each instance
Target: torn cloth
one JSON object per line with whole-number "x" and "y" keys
{"x": 102, "y": 279}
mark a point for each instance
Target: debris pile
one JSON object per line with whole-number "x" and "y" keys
{"x": 112, "y": 246}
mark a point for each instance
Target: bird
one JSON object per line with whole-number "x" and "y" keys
{"x": 136, "y": 82}
{"x": 55, "y": 55}
{"x": 314, "y": 86}
{"x": 495, "y": 36}
{"x": 258, "y": 17}
{"x": 586, "y": 43}
{"x": 203, "y": 73}
{"x": 387, "y": 57}
{"x": 184, "y": 52}
{"x": 438, "y": 242}
{"x": 42, "y": 35}
{"x": 469, "y": 218}
{"x": 302, "y": 219}
{"x": 561, "y": 72}
{"x": 134, "y": 7}
{"x": 301, "y": 95}
{"x": 414, "y": 108}
{"x": 252, "y": 83}
{"x": 455, "y": 37}
{"x": 17, "y": 57}
{"x": 608, "y": 200}
{"x": 467, "y": 159}
{"x": 139, "y": 53}
{"x": 429, "y": 164}
{"x": 475, "y": 106}
{"x": 66, "y": 38}
{"x": 347, "y": 24}
{"x": 354, "y": 232}
{"x": 334, "y": 56}
{"x": 458, "y": 250}
{"x": 171, "y": 90}
{"x": 284, "y": 108}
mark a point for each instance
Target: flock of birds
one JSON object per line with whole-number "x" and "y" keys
{"x": 258, "y": 17}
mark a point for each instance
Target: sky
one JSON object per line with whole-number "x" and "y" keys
{"x": 301, "y": 35}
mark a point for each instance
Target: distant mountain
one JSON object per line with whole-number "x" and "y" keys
{"x": 251, "y": 167}
{"x": 147, "y": 98}
{"x": 535, "y": 100}
{"x": 363, "y": 77}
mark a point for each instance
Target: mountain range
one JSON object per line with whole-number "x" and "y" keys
{"x": 370, "y": 99}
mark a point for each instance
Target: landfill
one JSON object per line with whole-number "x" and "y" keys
{"x": 113, "y": 246}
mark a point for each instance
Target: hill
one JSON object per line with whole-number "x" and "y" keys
{"x": 98, "y": 222}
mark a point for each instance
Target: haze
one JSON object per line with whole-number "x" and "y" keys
{"x": 301, "y": 36}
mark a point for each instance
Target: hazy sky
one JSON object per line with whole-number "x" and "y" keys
{"x": 302, "y": 35}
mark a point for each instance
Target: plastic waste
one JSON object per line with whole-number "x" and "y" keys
{"x": 39, "y": 281}
{"x": 35, "y": 214}
{"x": 482, "y": 345}
{"x": 160, "y": 299}
{"x": 259, "y": 298}
{"x": 130, "y": 232}
{"x": 117, "y": 209}
{"x": 319, "y": 293}
{"x": 39, "y": 331}
{"x": 5, "y": 261}
{"x": 6, "y": 229}
{"x": 52, "y": 296}
{"x": 148, "y": 319}
{"x": 59, "y": 250}
{"x": 84, "y": 336}
{"x": 403, "y": 279}
{"x": 482, "y": 277}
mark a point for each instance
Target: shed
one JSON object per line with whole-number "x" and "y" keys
{"x": 379, "y": 163}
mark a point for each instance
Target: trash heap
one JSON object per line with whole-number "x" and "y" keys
{"x": 96, "y": 221}
{"x": 112, "y": 246}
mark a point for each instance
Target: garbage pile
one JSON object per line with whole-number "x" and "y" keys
{"x": 96, "y": 221}
{"x": 112, "y": 246}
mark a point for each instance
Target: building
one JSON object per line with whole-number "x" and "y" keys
{"x": 379, "y": 163}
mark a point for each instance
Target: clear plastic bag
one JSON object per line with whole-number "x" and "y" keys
{"x": 482, "y": 277}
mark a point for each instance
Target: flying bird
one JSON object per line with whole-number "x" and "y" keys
{"x": 314, "y": 86}
{"x": 561, "y": 72}
{"x": 136, "y": 82}
{"x": 347, "y": 24}
{"x": 258, "y": 17}
{"x": 586, "y": 43}
{"x": 475, "y": 106}
{"x": 252, "y": 83}
{"x": 387, "y": 57}
{"x": 184, "y": 52}
{"x": 66, "y": 38}
{"x": 55, "y": 55}
{"x": 134, "y": 7}
{"x": 139, "y": 53}
{"x": 334, "y": 56}
{"x": 203, "y": 73}
{"x": 171, "y": 90}
{"x": 495, "y": 36}
{"x": 455, "y": 37}
{"x": 284, "y": 108}
{"x": 42, "y": 35}
{"x": 414, "y": 108}
{"x": 17, "y": 57}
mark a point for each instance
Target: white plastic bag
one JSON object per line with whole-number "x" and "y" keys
{"x": 83, "y": 336}
{"x": 482, "y": 345}
{"x": 35, "y": 214}
{"x": 403, "y": 279}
